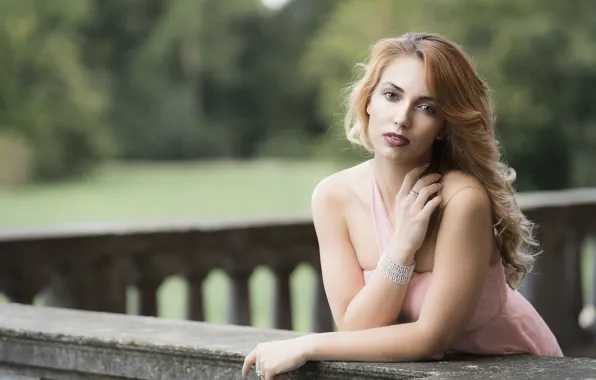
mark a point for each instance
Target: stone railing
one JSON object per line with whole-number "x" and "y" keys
{"x": 49, "y": 343}
{"x": 90, "y": 267}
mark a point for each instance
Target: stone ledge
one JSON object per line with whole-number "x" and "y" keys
{"x": 67, "y": 344}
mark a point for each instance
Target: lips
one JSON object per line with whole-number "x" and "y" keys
{"x": 395, "y": 140}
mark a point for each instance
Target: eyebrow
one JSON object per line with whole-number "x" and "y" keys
{"x": 428, "y": 98}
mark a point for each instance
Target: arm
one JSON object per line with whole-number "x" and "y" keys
{"x": 462, "y": 257}
{"x": 353, "y": 305}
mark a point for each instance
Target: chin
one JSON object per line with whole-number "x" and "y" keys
{"x": 399, "y": 155}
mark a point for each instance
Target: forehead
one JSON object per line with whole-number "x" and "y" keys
{"x": 408, "y": 73}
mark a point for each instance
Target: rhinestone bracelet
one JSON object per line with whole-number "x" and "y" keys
{"x": 393, "y": 271}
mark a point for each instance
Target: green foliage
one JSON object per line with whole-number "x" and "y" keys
{"x": 536, "y": 55}
{"x": 208, "y": 78}
{"x": 188, "y": 79}
{"x": 15, "y": 160}
{"x": 46, "y": 93}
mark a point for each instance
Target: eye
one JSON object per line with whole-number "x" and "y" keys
{"x": 428, "y": 109}
{"x": 391, "y": 96}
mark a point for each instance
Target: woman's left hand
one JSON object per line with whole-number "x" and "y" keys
{"x": 272, "y": 359}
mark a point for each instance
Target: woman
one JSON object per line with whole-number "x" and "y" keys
{"x": 421, "y": 246}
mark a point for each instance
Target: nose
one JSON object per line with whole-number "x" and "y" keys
{"x": 402, "y": 114}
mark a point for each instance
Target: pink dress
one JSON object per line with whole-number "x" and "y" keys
{"x": 504, "y": 323}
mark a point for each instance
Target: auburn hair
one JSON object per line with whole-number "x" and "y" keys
{"x": 471, "y": 144}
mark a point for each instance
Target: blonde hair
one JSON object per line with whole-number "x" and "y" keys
{"x": 471, "y": 145}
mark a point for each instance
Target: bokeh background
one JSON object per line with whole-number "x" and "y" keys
{"x": 134, "y": 111}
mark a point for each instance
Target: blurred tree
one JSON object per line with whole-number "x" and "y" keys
{"x": 211, "y": 78}
{"x": 206, "y": 78}
{"x": 281, "y": 106}
{"x": 46, "y": 94}
{"x": 537, "y": 56}
{"x": 332, "y": 57}
{"x": 160, "y": 57}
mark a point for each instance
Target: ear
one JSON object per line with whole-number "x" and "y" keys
{"x": 368, "y": 108}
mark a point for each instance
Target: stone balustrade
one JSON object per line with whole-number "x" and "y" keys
{"x": 50, "y": 343}
{"x": 89, "y": 267}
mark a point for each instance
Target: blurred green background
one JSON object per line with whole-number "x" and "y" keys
{"x": 139, "y": 110}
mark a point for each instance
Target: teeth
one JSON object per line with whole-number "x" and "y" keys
{"x": 395, "y": 137}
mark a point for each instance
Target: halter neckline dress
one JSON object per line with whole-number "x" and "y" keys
{"x": 504, "y": 323}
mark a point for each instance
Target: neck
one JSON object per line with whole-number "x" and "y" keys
{"x": 390, "y": 176}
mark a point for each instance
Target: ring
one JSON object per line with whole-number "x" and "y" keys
{"x": 260, "y": 374}
{"x": 414, "y": 192}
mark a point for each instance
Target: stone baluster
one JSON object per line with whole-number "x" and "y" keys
{"x": 19, "y": 287}
{"x": 573, "y": 280}
{"x": 148, "y": 288}
{"x": 103, "y": 285}
{"x": 118, "y": 274}
{"x": 94, "y": 281}
{"x": 588, "y": 313}
{"x": 592, "y": 328}
{"x": 556, "y": 286}
{"x": 547, "y": 280}
{"x": 195, "y": 301}
{"x": 25, "y": 270}
{"x": 322, "y": 320}
{"x": 158, "y": 261}
{"x": 239, "y": 299}
{"x": 282, "y": 301}
{"x": 21, "y": 294}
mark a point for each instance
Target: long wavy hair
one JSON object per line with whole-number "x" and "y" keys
{"x": 470, "y": 144}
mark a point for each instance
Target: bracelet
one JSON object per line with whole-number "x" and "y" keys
{"x": 393, "y": 271}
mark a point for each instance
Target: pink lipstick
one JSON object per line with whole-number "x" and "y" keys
{"x": 396, "y": 140}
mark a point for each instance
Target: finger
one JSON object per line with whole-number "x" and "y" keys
{"x": 260, "y": 366}
{"x": 269, "y": 375}
{"x": 248, "y": 362}
{"x": 430, "y": 207}
{"x": 411, "y": 178}
{"x": 426, "y": 180}
{"x": 426, "y": 193}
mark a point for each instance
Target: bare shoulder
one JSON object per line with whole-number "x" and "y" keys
{"x": 464, "y": 189}
{"x": 339, "y": 187}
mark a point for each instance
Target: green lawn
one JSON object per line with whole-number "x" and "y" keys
{"x": 162, "y": 192}
{"x": 143, "y": 192}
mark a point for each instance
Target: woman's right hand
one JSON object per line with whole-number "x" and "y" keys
{"x": 413, "y": 210}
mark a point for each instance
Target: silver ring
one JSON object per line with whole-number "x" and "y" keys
{"x": 260, "y": 374}
{"x": 414, "y": 192}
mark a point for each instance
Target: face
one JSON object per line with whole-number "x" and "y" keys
{"x": 404, "y": 120}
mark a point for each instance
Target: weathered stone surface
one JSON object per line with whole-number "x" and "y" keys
{"x": 67, "y": 344}
{"x": 8, "y": 375}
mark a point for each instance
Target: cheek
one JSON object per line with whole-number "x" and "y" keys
{"x": 377, "y": 110}
{"x": 429, "y": 127}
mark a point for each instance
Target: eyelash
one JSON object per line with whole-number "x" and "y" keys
{"x": 430, "y": 111}
{"x": 390, "y": 93}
